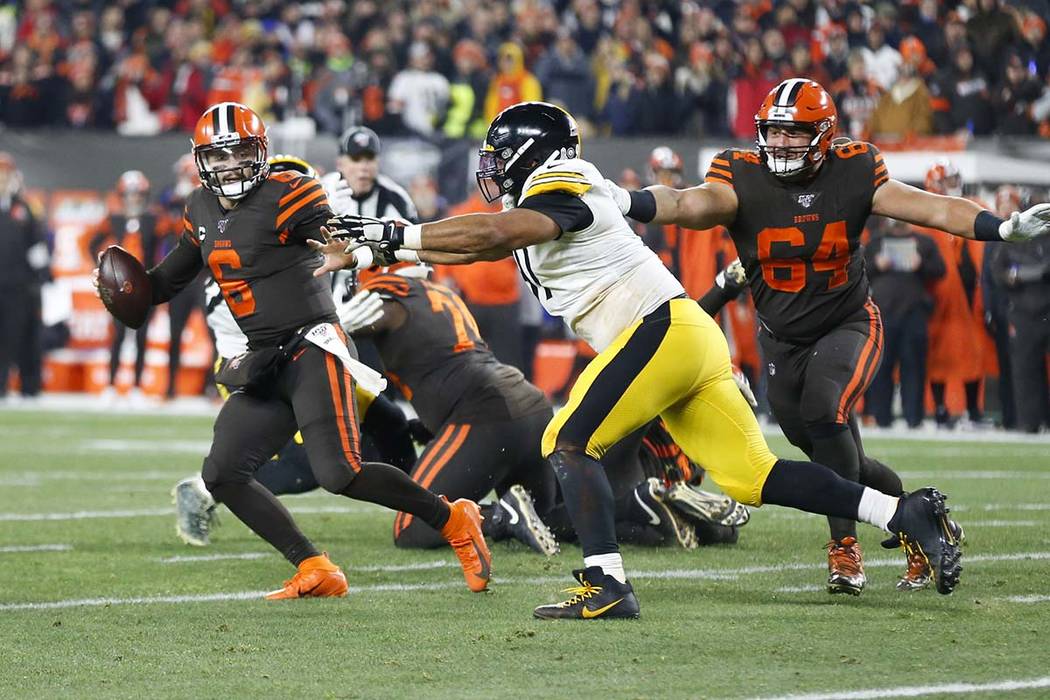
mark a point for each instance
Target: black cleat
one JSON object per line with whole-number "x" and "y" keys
{"x": 922, "y": 525}
{"x": 597, "y": 596}
{"x": 516, "y": 513}
{"x": 650, "y": 498}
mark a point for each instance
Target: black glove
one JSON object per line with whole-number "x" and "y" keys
{"x": 376, "y": 233}
{"x": 419, "y": 432}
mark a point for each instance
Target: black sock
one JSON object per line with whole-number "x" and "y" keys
{"x": 266, "y": 516}
{"x": 878, "y": 476}
{"x": 973, "y": 389}
{"x": 588, "y": 499}
{"x": 387, "y": 426}
{"x": 389, "y": 486}
{"x": 833, "y": 446}
{"x": 289, "y": 473}
{"x": 813, "y": 488}
{"x": 937, "y": 389}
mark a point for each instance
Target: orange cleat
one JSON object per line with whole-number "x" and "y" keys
{"x": 317, "y": 577}
{"x": 463, "y": 532}
{"x": 845, "y": 567}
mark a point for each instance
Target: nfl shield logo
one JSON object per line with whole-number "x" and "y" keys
{"x": 806, "y": 200}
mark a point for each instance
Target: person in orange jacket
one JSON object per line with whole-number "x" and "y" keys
{"x": 957, "y": 319}
{"x": 512, "y": 84}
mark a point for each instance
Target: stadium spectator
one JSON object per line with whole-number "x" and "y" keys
{"x": 801, "y": 65}
{"x": 1024, "y": 273}
{"x": 702, "y": 88}
{"x": 754, "y": 78}
{"x": 904, "y": 110}
{"x": 883, "y": 60}
{"x": 565, "y": 74}
{"x": 1016, "y": 96}
{"x": 901, "y": 262}
{"x": 419, "y": 93}
{"x": 962, "y": 97}
{"x": 659, "y": 111}
{"x": 836, "y": 57}
{"x": 24, "y": 267}
{"x": 856, "y": 97}
{"x": 1035, "y": 47}
{"x": 467, "y": 90}
{"x": 512, "y": 83}
{"x": 992, "y": 31}
{"x": 190, "y": 82}
{"x": 585, "y": 22}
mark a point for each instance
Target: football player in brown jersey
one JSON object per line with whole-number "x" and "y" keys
{"x": 659, "y": 353}
{"x": 487, "y": 420}
{"x": 796, "y": 208}
{"x": 250, "y": 229}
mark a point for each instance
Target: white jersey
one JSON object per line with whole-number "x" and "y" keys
{"x": 229, "y": 340}
{"x": 601, "y": 279}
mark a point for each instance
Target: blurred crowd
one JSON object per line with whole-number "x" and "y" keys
{"x": 444, "y": 68}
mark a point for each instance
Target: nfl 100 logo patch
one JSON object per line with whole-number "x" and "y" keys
{"x": 222, "y": 226}
{"x": 806, "y": 199}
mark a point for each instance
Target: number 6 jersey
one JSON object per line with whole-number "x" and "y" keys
{"x": 257, "y": 253}
{"x": 800, "y": 242}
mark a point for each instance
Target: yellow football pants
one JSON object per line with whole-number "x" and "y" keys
{"x": 675, "y": 364}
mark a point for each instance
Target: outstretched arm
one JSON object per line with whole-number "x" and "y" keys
{"x": 902, "y": 202}
{"x": 701, "y": 207}
{"x": 958, "y": 216}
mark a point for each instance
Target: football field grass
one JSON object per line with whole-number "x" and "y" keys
{"x": 99, "y": 599}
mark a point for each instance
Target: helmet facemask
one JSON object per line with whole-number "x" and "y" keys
{"x": 245, "y": 157}
{"x": 791, "y": 162}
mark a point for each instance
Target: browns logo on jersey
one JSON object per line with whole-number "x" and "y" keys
{"x": 257, "y": 253}
{"x": 440, "y": 363}
{"x": 800, "y": 242}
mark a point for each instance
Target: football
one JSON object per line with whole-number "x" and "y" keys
{"x": 124, "y": 286}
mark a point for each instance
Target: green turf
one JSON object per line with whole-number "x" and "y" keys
{"x": 714, "y": 632}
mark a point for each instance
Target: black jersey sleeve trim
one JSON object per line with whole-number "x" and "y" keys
{"x": 568, "y": 211}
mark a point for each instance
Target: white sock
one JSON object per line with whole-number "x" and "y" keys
{"x": 611, "y": 565}
{"x": 876, "y": 508}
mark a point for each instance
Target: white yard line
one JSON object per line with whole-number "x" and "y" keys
{"x": 716, "y": 574}
{"x": 1028, "y": 598}
{"x": 195, "y": 558}
{"x": 169, "y": 511}
{"x": 19, "y": 549}
{"x": 915, "y": 691}
{"x": 942, "y": 476}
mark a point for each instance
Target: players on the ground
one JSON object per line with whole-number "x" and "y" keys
{"x": 659, "y": 353}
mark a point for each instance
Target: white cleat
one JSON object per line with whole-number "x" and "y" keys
{"x": 194, "y": 511}
{"x": 521, "y": 520}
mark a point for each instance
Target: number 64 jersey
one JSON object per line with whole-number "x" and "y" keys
{"x": 800, "y": 242}
{"x": 597, "y": 275}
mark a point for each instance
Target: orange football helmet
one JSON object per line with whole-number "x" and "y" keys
{"x": 132, "y": 182}
{"x": 664, "y": 158}
{"x": 230, "y": 147}
{"x": 798, "y": 103}
{"x": 944, "y": 178}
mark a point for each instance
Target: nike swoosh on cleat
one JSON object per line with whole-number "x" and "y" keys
{"x": 513, "y": 513}
{"x": 654, "y": 519}
{"x": 588, "y": 613}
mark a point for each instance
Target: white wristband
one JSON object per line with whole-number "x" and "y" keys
{"x": 406, "y": 255}
{"x": 364, "y": 258}
{"x": 413, "y": 236}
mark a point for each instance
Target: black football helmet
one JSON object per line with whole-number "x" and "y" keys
{"x": 520, "y": 139}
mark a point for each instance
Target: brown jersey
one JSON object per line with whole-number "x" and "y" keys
{"x": 440, "y": 362}
{"x": 800, "y": 242}
{"x": 257, "y": 253}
